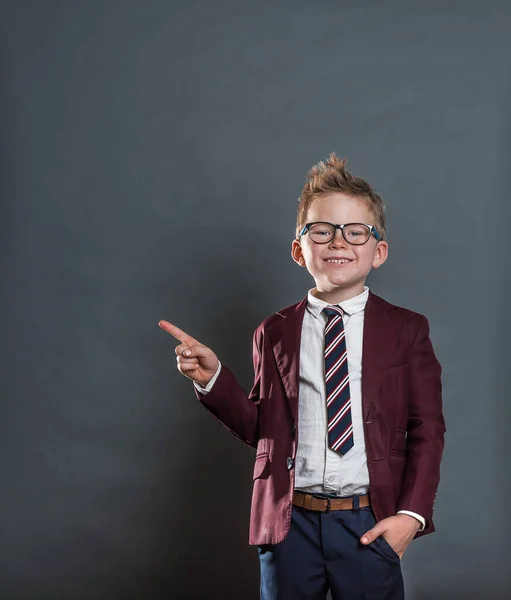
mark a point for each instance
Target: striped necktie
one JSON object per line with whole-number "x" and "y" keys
{"x": 338, "y": 400}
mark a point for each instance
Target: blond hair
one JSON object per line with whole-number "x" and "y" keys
{"x": 332, "y": 176}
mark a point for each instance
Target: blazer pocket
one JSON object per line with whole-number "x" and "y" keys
{"x": 401, "y": 365}
{"x": 261, "y": 462}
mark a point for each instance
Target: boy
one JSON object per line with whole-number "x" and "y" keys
{"x": 345, "y": 411}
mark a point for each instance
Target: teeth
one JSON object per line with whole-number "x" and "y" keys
{"x": 338, "y": 262}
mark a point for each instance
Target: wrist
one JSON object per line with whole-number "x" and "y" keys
{"x": 411, "y": 520}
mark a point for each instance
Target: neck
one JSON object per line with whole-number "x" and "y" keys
{"x": 337, "y": 295}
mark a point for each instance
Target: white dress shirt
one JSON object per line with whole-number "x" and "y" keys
{"x": 319, "y": 469}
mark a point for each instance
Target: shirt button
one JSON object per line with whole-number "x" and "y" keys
{"x": 331, "y": 478}
{"x": 290, "y": 463}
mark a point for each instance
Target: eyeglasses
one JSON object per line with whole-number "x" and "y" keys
{"x": 354, "y": 233}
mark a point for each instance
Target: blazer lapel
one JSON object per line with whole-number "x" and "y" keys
{"x": 377, "y": 349}
{"x": 285, "y": 338}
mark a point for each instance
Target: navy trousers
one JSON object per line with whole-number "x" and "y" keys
{"x": 322, "y": 552}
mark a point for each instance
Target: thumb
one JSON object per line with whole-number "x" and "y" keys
{"x": 372, "y": 534}
{"x": 197, "y": 351}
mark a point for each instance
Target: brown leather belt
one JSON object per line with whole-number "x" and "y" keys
{"x": 311, "y": 502}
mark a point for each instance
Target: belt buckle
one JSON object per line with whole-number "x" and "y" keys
{"x": 328, "y": 501}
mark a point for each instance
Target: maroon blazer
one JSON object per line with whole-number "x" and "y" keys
{"x": 401, "y": 405}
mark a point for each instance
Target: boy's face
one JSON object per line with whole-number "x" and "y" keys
{"x": 338, "y": 281}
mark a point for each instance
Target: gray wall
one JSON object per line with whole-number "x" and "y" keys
{"x": 151, "y": 157}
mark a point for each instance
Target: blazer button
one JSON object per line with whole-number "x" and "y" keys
{"x": 290, "y": 463}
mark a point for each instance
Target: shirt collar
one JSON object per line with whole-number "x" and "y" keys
{"x": 351, "y": 306}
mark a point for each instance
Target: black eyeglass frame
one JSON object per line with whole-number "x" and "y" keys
{"x": 372, "y": 231}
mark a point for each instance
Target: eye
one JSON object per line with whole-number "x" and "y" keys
{"x": 320, "y": 229}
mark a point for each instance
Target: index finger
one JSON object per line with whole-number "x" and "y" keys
{"x": 179, "y": 334}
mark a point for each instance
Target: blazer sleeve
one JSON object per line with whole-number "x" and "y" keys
{"x": 230, "y": 404}
{"x": 426, "y": 428}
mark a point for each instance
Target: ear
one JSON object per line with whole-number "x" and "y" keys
{"x": 380, "y": 255}
{"x": 297, "y": 254}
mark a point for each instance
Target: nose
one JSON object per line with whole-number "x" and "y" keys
{"x": 338, "y": 240}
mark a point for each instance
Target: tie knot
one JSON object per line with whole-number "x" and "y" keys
{"x": 333, "y": 311}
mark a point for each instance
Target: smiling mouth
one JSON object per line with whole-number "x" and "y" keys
{"x": 338, "y": 261}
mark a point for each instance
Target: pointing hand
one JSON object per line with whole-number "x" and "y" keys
{"x": 194, "y": 360}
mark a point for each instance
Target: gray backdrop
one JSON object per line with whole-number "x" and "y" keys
{"x": 151, "y": 157}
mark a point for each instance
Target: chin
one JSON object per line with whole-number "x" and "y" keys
{"x": 339, "y": 283}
